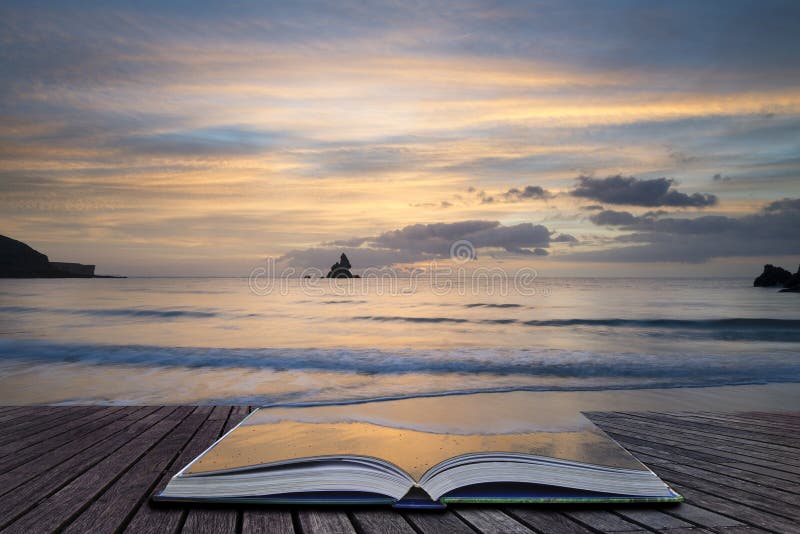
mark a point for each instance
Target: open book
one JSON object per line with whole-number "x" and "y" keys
{"x": 268, "y": 458}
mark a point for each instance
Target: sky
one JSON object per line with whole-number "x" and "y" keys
{"x": 619, "y": 138}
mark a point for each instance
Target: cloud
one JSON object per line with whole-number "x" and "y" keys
{"x": 769, "y": 232}
{"x": 592, "y": 207}
{"x": 418, "y": 242}
{"x": 527, "y": 193}
{"x": 785, "y": 204}
{"x": 221, "y": 141}
{"x": 514, "y": 194}
{"x": 613, "y": 218}
{"x": 639, "y": 192}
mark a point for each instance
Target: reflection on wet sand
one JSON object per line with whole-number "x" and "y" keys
{"x": 413, "y": 451}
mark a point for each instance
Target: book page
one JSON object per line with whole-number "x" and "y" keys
{"x": 263, "y": 440}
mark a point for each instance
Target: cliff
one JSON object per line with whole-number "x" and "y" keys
{"x": 18, "y": 260}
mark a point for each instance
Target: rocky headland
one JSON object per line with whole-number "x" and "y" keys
{"x": 18, "y": 260}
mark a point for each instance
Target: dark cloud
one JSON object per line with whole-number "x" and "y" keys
{"x": 527, "y": 193}
{"x": 437, "y": 238}
{"x": 613, "y": 218}
{"x": 485, "y": 199}
{"x": 514, "y": 194}
{"x": 721, "y": 178}
{"x": 564, "y": 238}
{"x": 639, "y": 192}
{"x": 418, "y": 242}
{"x": 785, "y": 204}
{"x": 592, "y": 207}
{"x": 769, "y": 232}
{"x": 528, "y": 252}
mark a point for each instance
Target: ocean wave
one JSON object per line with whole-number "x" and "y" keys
{"x": 728, "y": 329}
{"x": 735, "y": 322}
{"x": 689, "y": 369}
{"x": 115, "y": 312}
{"x": 482, "y": 305}
{"x": 386, "y": 318}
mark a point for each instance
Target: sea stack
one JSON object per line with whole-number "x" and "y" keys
{"x": 792, "y": 285}
{"x": 340, "y": 269}
{"x": 772, "y": 276}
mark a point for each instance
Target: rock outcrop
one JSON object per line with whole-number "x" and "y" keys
{"x": 777, "y": 276}
{"x": 772, "y": 276}
{"x": 341, "y": 269}
{"x": 18, "y": 260}
{"x": 792, "y": 285}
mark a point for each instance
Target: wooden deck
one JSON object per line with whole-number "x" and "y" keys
{"x": 93, "y": 469}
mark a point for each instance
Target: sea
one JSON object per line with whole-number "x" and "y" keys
{"x": 300, "y": 341}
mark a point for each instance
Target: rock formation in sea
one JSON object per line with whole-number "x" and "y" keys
{"x": 341, "y": 269}
{"x": 18, "y": 260}
{"x": 777, "y": 276}
{"x": 772, "y": 276}
{"x": 792, "y": 285}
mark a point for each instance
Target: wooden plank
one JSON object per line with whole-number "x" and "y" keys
{"x": 24, "y": 451}
{"x": 697, "y": 431}
{"x": 720, "y": 488}
{"x": 704, "y": 445}
{"x": 785, "y": 417}
{"x": 604, "y": 520}
{"x": 546, "y": 522}
{"x": 693, "y": 453}
{"x": 15, "y": 413}
{"x": 380, "y": 522}
{"x": 779, "y": 488}
{"x": 748, "y": 488}
{"x": 689, "y": 530}
{"x": 108, "y": 512}
{"x": 49, "y": 481}
{"x": 266, "y": 522}
{"x": 491, "y": 521}
{"x": 652, "y": 518}
{"x": 738, "y": 530}
{"x": 702, "y": 517}
{"x": 22, "y": 415}
{"x": 21, "y": 435}
{"x": 325, "y": 522}
{"x": 764, "y": 432}
{"x": 44, "y": 415}
{"x": 52, "y": 428}
{"x": 445, "y": 522}
{"x": 732, "y": 507}
{"x": 56, "y": 510}
{"x": 779, "y": 424}
{"x": 210, "y": 521}
{"x": 45, "y": 456}
{"x": 773, "y": 442}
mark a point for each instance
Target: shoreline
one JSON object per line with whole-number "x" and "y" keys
{"x": 773, "y": 397}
